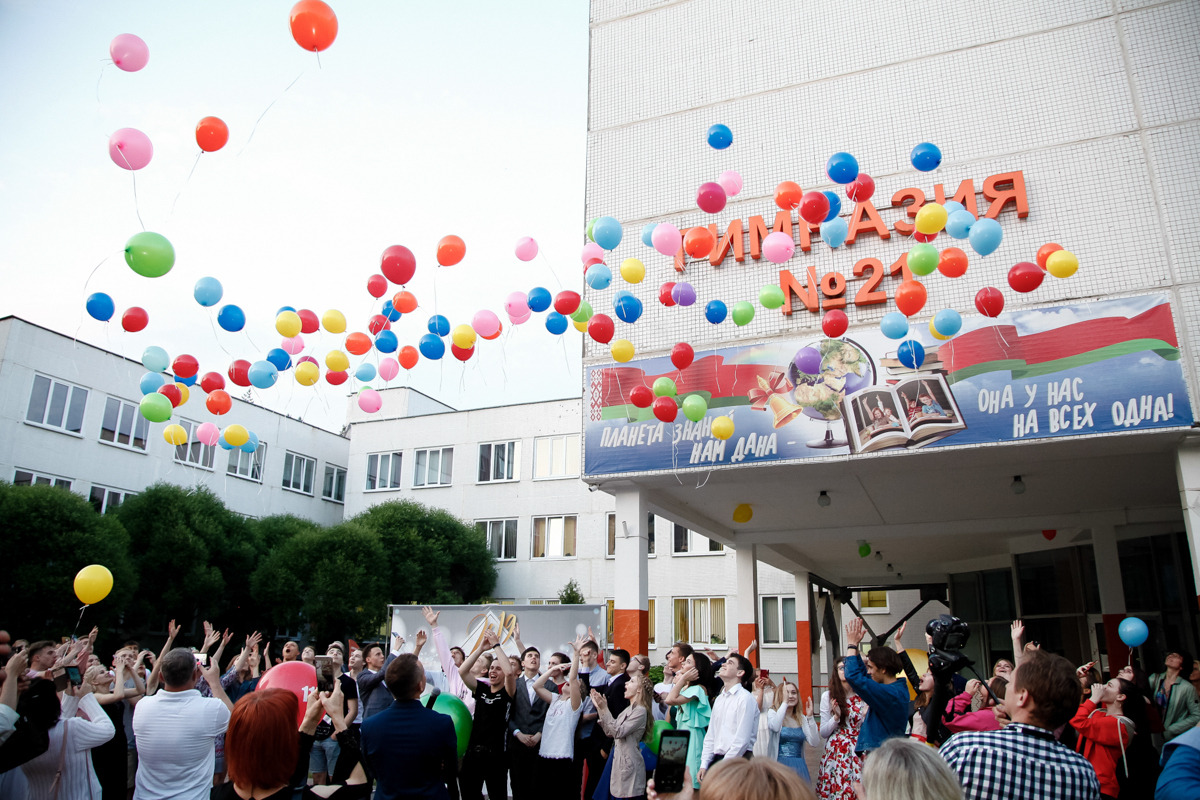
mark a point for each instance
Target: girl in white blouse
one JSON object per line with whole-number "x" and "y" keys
{"x": 82, "y": 726}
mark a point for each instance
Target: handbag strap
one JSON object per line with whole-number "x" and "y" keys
{"x": 62, "y": 757}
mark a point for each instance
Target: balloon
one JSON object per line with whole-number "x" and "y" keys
{"x": 175, "y": 434}
{"x": 150, "y": 382}
{"x": 129, "y": 52}
{"x": 155, "y": 359}
{"x": 93, "y": 583}
{"x": 622, "y": 350}
{"x": 251, "y": 443}
{"x": 835, "y": 206}
{"x": 989, "y": 301}
{"x": 208, "y": 433}
{"x": 835, "y": 231}
{"x": 683, "y": 294}
{"x": 185, "y": 366}
{"x": 985, "y": 236}
{"x": 722, "y": 427}
{"x": 952, "y": 262}
{"x": 731, "y": 182}
{"x": 262, "y": 375}
{"x": 212, "y": 381}
{"x": 398, "y": 264}
{"x": 628, "y": 308}
{"x": 835, "y": 322}
{"x": 486, "y": 324}
{"x": 711, "y": 197}
{"x": 592, "y": 254}
{"x": 231, "y": 318}
{"x": 911, "y": 354}
{"x": 666, "y": 238}
{"x": 1062, "y": 263}
{"x": 588, "y": 231}
{"x": 279, "y": 358}
{"x": 432, "y": 346}
{"x": 598, "y": 277}
{"x": 648, "y": 233}
{"x": 861, "y": 188}
{"x": 314, "y": 27}
{"x": 666, "y": 294}
{"x": 130, "y": 149}
{"x": 894, "y": 325}
{"x": 135, "y": 319}
{"x": 149, "y": 254}
{"x": 841, "y": 168}
{"x": 526, "y": 249}
{"x": 100, "y": 306}
{"x": 719, "y": 136}
{"x": 334, "y": 321}
{"x": 910, "y": 297}
{"x": 958, "y": 224}
{"x": 235, "y": 435}
{"x": 386, "y": 342}
{"x": 308, "y": 321}
{"x": 743, "y": 513}
{"x": 665, "y": 409}
{"x": 924, "y": 238}
{"x": 1044, "y": 252}
{"x": 1132, "y": 630}
{"x": 695, "y": 407}
{"x": 408, "y": 360}
{"x": 450, "y": 250}
{"x": 814, "y": 207}
{"x": 931, "y": 218}
{"x": 1025, "y": 276}
{"x": 953, "y": 205}
{"x": 288, "y": 324}
{"x": 641, "y": 396}
{"x": 460, "y": 353}
{"x": 864, "y": 550}
{"x": 922, "y": 259}
{"x": 583, "y": 313}
{"x": 336, "y": 378}
{"x": 212, "y": 134}
{"x": 337, "y": 361}
{"x": 456, "y": 710}
{"x": 743, "y": 312}
{"x": 358, "y": 343}
{"x": 390, "y": 368}
{"x": 185, "y": 382}
{"x": 172, "y": 393}
{"x": 633, "y": 270}
{"x": 292, "y": 346}
{"x": 664, "y": 387}
{"x": 404, "y": 302}
{"x": 606, "y": 232}
{"x": 682, "y": 355}
{"x": 600, "y": 328}
{"x": 926, "y": 157}
{"x": 778, "y": 247}
{"x": 370, "y": 400}
{"x": 307, "y": 373}
{"x": 947, "y": 322}
{"x": 566, "y": 301}
{"x": 539, "y": 299}
{"x": 788, "y": 195}
{"x": 463, "y": 336}
{"x": 715, "y": 312}
{"x": 556, "y": 323}
{"x": 156, "y": 407}
{"x": 698, "y": 242}
{"x": 377, "y": 286}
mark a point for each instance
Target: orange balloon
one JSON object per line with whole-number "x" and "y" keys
{"x": 910, "y": 297}
{"x": 787, "y": 195}
{"x": 409, "y": 356}
{"x": 358, "y": 343}
{"x": 952, "y": 262}
{"x": 218, "y": 402}
{"x": 698, "y": 242}
{"x": 405, "y": 302}
{"x": 450, "y": 250}
{"x": 1044, "y": 253}
{"x": 314, "y": 25}
{"x": 211, "y": 134}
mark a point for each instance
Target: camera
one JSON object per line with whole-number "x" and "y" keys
{"x": 948, "y": 636}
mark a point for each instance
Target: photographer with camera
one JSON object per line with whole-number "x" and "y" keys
{"x": 878, "y": 684}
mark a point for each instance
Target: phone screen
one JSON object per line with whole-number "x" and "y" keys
{"x": 672, "y": 760}
{"x": 202, "y": 659}
{"x": 764, "y": 673}
{"x": 73, "y": 675}
{"x": 324, "y": 666}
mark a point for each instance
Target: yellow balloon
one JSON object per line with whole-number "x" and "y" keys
{"x": 579, "y": 326}
{"x": 307, "y": 373}
{"x": 722, "y": 427}
{"x": 175, "y": 434}
{"x": 920, "y": 660}
{"x": 93, "y": 583}
{"x": 236, "y": 435}
{"x": 333, "y": 321}
{"x": 633, "y": 270}
{"x": 622, "y": 350}
{"x": 463, "y": 336}
{"x": 1062, "y": 264}
{"x": 184, "y": 394}
{"x": 337, "y": 361}
{"x": 288, "y": 324}
{"x": 743, "y": 513}
{"x": 934, "y": 333}
{"x": 931, "y": 218}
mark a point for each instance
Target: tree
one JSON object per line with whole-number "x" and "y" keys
{"x": 50, "y": 534}
{"x": 570, "y": 594}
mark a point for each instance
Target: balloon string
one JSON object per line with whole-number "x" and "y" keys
{"x": 75, "y": 338}
{"x": 103, "y": 66}
{"x": 76, "y": 631}
{"x": 250, "y": 138}
{"x": 185, "y": 183}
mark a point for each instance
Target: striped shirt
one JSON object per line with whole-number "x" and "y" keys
{"x": 1019, "y": 762}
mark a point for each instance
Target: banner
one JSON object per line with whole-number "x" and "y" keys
{"x": 1102, "y": 367}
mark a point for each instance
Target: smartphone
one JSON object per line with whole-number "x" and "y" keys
{"x": 60, "y": 679}
{"x": 764, "y": 674}
{"x": 202, "y": 659}
{"x": 73, "y": 675}
{"x": 324, "y": 665}
{"x": 586, "y": 679}
{"x": 672, "y": 760}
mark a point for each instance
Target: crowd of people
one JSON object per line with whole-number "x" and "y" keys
{"x": 141, "y": 727}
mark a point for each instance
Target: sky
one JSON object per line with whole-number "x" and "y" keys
{"x": 421, "y": 120}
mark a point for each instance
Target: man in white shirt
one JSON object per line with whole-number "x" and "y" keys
{"x": 734, "y": 723}
{"x": 176, "y": 729}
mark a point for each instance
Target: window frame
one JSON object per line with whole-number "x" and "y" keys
{"x": 418, "y": 468}
{"x": 394, "y": 470}
{"x": 863, "y": 609}
{"x": 610, "y": 604}
{"x": 108, "y": 491}
{"x": 780, "y": 620}
{"x": 610, "y": 551}
{"x": 207, "y": 452}
{"x": 257, "y": 459}
{"x": 513, "y": 456}
{"x": 691, "y": 605}
{"x": 287, "y": 473}
{"x": 139, "y": 422}
{"x": 533, "y": 537}
{"x": 567, "y": 460}
{"x": 333, "y": 498}
{"x": 60, "y": 481}
{"x": 487, "y": 531}
{"x": 48, "y": 403}
{"x": 691, "y": 550}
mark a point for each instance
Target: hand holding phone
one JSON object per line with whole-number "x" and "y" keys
{"x": 672, "y": 761}
{"x": 324, "y": 667}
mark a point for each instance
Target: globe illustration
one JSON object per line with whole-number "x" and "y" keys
{"x": 823, "y": 373}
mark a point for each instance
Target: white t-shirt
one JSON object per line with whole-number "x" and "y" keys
{"x": 558, "y": 731}
{"x": 175, "y": 733}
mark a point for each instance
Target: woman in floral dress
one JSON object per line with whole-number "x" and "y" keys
{"x": 842, "y": 714}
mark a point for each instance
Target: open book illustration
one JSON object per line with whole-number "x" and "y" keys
{"x": 911, "y": 413}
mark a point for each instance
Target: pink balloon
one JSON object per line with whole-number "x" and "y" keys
{"x": 710, "y": 197}
{"x": 129, "y": 52}
{"x": 666, "y": 238}
{"x": 293, "y": 345}
{"x": 592, "y": 254}
{"x": 731, "y": 182}
{"x": 389, "y": 368}
{"x": 778, "y": 247}
{"x": 516, "y": 304}
{"x": 370, "y": 401}
{"x": 302, "y": 359}
{"x": 486, "y": 323}
{"x": 527, "y": 248}
{"x": 208, "y": 433}
{"x": 517, "y": 319}
{"x": 129, "y": 148}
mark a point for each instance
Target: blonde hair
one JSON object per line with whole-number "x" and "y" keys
{"x": 754, "y": 779}
{"x": 797, "y": 711}
{"x": 905, "y": 769}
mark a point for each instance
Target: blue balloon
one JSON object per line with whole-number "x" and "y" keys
{"x": 251, "y": 443}
{"x": 556, "y": 323}
{"x": 283, "y": 309}
{"x": 279, "y": 358}
{"x": 538, "y": 299}
{"x": 389, "y": 311}
{"x": 386, "y": 342}
{"x": 208, "y": 292}
{"x": 958, "y": 224}
{"x": 598, "y": 276}
{"x": 911, "y": 354}
{"x": 628, "y": 308}
{"x": 365, "y": 372}
{"x": 719, "y": 137}
{"x": 894, "y": 325}
{"x": 262, "y": 374}
{"x": 926, "y": 157}
{"x": 224, "y": 444}
{"x": 841, "y": 168}
{"x": 100, "y": 306}
{"x": 834, "y": 232}
{"x": 947, "y": 322}
{"x": 606, "y": 232}
{"x": 186, "y": 381}
{"x": 648, "y": 233}
{"x": 150, "y": 382}
{"x": 432, "y": 346}
{"x": 231, "y": 318}
{"x": 439, "y": 325}
{"x": 715, "y": 312}
{"x": 985, "y": 236}
{"x": 835, "y": 206}
{"x": 1133, "y": 631}
{"x": 953, "y": 205}
{"x": 155, "y": 359}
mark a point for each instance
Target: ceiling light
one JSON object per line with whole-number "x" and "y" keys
{"x": 890, "y": 568}
{"x": 1018, "y": 485}
{"x": 879, "y": 555}
{"x": 823, "y": 499}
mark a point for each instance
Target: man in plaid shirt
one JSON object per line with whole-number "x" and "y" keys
{"x": 1023, "y": 761}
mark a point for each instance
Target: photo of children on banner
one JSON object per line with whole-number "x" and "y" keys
{"x": 912, "y": 413}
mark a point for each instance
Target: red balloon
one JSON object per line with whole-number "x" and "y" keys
{"x": 600, "y": 328}
{"x": 566, "y": 302}
{"x": 172, "y": 393}
{"x": 185, "y": 366}
{"x": 135, "y": 319}
{"x": 404, "y": 302}
{"x": 378, "y": 323}
{"x": 664, "y": 294}
{"x": 409, "y": 356}
{"x": 212, "y": 381}
{"x": 309, "y": 321}
{"x": 814, "y": 207}
{"x": 211, "y": 134}
{"x": 314, "y": 25}
{"x": 1050, "y": 533}
{"x": 952, "y": 262}
{"x": 910, "y": 297}
{"x": 924, "y": 237}
{"x": 239, "y": 372}
{"x": 989, "y": 301}
{"x": 398, "y": 264}
{"x": 297, "y": 677}
{"x": 665, "y": 408}
{"x": 788, "y": 195}
{"x": 861, "y": 188}
{"x": 336, "y": 378}
{"x": 460, "y": 353}
{"x": 698, "y": 242}
{"x": 377, "y": 286}
{"x": 834, "y": 323}
{"x": 358, "y": 343}
{"x": 641, "y": 396}
{"x": 450, "y": 250}
{"x": 682, "y": 355}
{"x": 710, "y": 197}
{"x": 218, "y": 402}
{"x": 1044, "y": 252}
{"x": 1025, "y": 276}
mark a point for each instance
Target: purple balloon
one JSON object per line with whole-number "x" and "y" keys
{"x": 808, "y": 361}
{"x": 683, "y": 294}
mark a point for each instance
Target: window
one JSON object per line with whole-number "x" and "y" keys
{"x": 650, "y": 617}
{"x": 687, "y": 541}
{"x": 298, "y": 473}
{"x": 550, "y": 601}
{"x": 433, "y": 467}
{"x": 554, "y": 537}
{"x": 56, "y": 404}
{"x": 247, "y": 465}
{"x": 124, "y": 425}
{"x": 103, "y": 498}
{"x": 873, "y": 602}
{"x": 24, "y": 477}
{"x": 501, "y": 537}
{"x": 334, "y": 487}
{"x": 499, "y": 461}
{"x": 383, "y": 471}
{"x": 194, "y": 452}
{"x": 556, "y": 457}
{"x": 778, "y": 620}
{"x": 700, "y": 620}
{"x": 611, "y": 551}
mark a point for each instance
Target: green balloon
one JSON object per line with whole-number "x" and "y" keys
{"x": 589, "y": 229}
{"x": 156, "y": 407}
{"x": 149, "y": 254}
{"x": 584, "y": 312}
{"x": 664, "y": 387}
{"x": 743, "y": 312}
{"x": 864, "y": 550}
{"x": 457, "y": 711}
{"x": 922, "y": 259}
{"x": 656, "y": 733}
{"x": 770, "y": 296}
{"x": 694, "y": 407}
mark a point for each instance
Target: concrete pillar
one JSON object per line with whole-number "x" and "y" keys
{"x": 631, "y": 616}
{"x": 745, "y": 604}
{"x": 804, "y": 656}
{"x": 1112, "y": 593}
{"x": 1187, "y": 473}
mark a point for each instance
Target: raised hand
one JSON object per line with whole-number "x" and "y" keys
{"x": 422, "y": 637}
{"x": 211, "y": 637}
{"x": 579, "y": 642}
{"x": 808, "y": 707}
{"x": 899, "y": 633}
{"x": 490, "y": 639}
{"x": 172, "y": 631}
{"x": 854, "y": 631}
{"x": 599, "y": 700}
{"x": 431, "y": 616}
{"x": 226, "y": 638}
{"x": 1018, "y": 630}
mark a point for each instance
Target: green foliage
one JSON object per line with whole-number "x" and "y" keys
{"x": 656, "y": 674}
{"x": 570, "y": 594}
